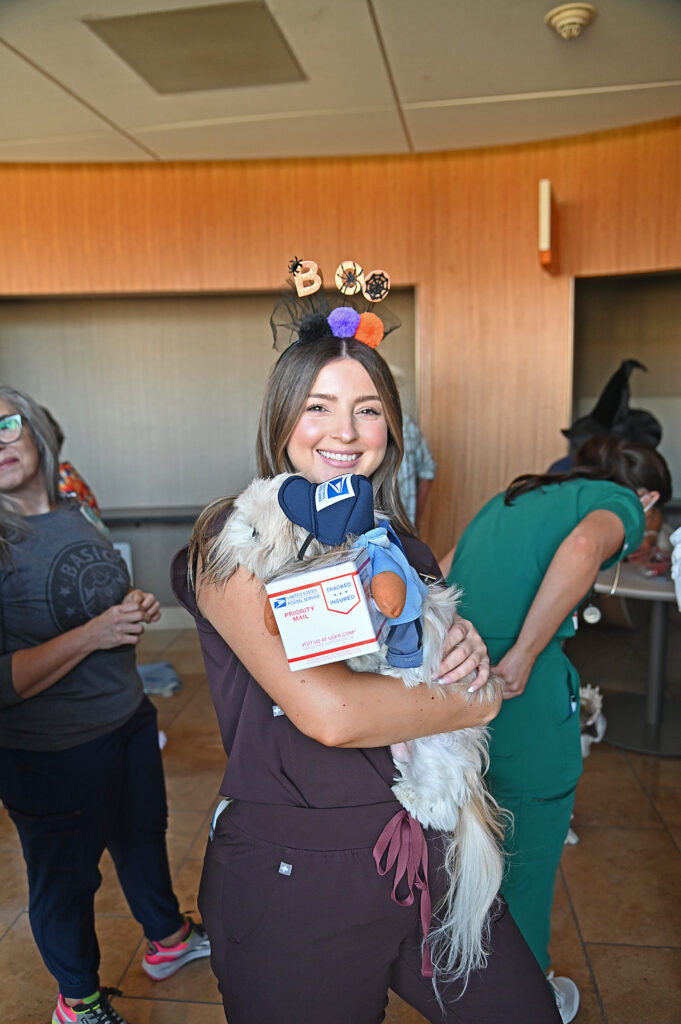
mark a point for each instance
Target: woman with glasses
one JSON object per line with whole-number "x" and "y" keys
{"x": 80, "y": 767}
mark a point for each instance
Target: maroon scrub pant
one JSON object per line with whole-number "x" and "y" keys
{"x": 303, "y": 929}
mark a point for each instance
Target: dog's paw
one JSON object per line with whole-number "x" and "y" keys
{"x": 408, "y": 796}
{"x": 430, "y": 809}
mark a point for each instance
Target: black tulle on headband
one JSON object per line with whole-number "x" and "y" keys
{"x": 317, "y": 313}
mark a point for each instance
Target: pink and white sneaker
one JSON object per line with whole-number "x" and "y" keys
{"x": 96, "y": 1009}
{"x": 160, "y": 962}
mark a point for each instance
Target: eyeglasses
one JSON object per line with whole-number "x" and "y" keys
{"x": 10, "y": 428}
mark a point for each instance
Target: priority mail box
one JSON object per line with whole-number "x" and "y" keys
{"x": 327, "y": 614}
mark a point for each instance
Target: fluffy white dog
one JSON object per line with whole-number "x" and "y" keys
{"x": 438, "y": 778}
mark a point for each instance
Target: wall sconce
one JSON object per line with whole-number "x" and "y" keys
{"x": 548, "y": 228}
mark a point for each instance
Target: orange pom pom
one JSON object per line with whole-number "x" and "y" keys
{"x": 370, "y": 330}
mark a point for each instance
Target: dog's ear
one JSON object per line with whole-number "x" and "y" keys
{"x": 330, "y": 510}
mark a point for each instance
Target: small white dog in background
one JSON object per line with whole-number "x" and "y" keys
{"x": 438, "y": 778}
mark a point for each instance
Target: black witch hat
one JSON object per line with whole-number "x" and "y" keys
{"x": 612, "y": 416}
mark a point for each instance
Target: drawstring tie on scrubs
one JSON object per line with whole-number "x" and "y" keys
{"x": 405, "y": 843}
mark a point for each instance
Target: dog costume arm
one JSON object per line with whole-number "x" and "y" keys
{"x": 332, "y": 704}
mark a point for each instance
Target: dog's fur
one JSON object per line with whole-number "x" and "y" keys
{"x": 439, "y": 778}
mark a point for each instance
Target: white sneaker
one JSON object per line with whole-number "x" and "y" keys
{"x": 567, "y": 996}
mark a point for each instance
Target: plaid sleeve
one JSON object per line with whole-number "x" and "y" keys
{"x": 426, "y": 463}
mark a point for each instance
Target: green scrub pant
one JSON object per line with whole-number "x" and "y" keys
{"x": 535, "y": 762}
{"x": 534, "y": 846}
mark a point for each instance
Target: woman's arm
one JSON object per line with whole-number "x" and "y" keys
{"x": 35, "y": 669}
{"x": 332, "y": 704}
{"x": 446, "y": 562}
{"x": 570, "y": 575}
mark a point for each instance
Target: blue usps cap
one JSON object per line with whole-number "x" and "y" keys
{"x": 330, "y": 510}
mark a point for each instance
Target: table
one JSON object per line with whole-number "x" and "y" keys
{"x": 645, "y": 724}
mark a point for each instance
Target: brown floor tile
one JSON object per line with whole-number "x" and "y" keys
{"x": 568, "y": 957}
{"x": 186, "y": 885}
{"x": 184, "y": 829}
{"x": 399, "y": 1012}
{"x": 152, "y": 646}
{"x": 120, "y": 941}
{"x": 109, "y": 898}
{"x": 29, "y": 993}
{"x": 656, "y": 771}
{"x": 165, "y": 1011}
{"x": 185, "y": 662}
{"x": 625, "y": 886}
{"x": 638, "y": 986}
{"x": 13, "y": 888}
{"x": 9, "y": 837}
{"x": 609, "y": 793}
{"x": 185, "y": 640}
{"x": 199, "y": 711}
{"x": 667, "y": 801}
{"x": 166, "y": 717}
{"x": 198, "y": 847}
{"x": 193, "y": 781}
{"x": 194, "y": 759}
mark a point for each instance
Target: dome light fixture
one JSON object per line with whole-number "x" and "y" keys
{"x": 569, "y": 20}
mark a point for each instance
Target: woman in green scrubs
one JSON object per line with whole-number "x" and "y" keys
{"x": 525, "y": 562}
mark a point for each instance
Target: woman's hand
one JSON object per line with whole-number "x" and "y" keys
{"x": 465, "y": 652}
{"x": 146, "y": 603}
{"x": 514, "y": 670}
{"x": 120, "y": 624}
{"x": 35, "y": 669}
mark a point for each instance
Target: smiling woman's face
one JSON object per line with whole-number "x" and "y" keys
{"x": 19, "y": 461}
{"x": 342, "y": 428}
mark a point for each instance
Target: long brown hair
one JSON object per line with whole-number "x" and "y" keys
{"x": 290, "y": 383}
{"x": 631, "y": 464}
{"x": 13, "y": 527}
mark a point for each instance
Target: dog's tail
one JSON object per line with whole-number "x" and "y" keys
{"x": 474, "y": 863}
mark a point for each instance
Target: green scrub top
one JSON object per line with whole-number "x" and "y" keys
{"x": 500, "y": 563}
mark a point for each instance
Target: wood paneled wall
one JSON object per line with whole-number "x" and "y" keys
{"x": 494, "y": 330}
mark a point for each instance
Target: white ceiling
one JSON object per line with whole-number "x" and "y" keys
{"x": 382, "y": 76}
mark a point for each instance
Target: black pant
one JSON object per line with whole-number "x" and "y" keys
{"x": 303, "y": 929}
{"x": 68, "y": 806}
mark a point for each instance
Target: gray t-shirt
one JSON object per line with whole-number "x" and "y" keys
{"x": 65, "y": 572}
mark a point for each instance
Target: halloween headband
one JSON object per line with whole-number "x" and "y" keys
{"x": 306, "y": 313}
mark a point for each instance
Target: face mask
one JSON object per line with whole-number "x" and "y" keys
{"x": 647, "y": 508}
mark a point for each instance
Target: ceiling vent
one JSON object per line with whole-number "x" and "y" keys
{"x": 218, "y": 46}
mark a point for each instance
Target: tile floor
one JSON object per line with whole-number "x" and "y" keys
{"x": 617, "y": 913}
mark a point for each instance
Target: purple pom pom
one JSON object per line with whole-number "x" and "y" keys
{"x": 343, "y": 321}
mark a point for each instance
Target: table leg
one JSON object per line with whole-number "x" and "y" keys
{"x": 656, "y": 662}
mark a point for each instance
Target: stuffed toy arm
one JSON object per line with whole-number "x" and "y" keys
{"x": 395, "y": 585}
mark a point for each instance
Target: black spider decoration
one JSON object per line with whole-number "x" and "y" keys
{"x": 294, "y": 266}
{"x": 350, "y": 279}
{"x": 377, "y": 286}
